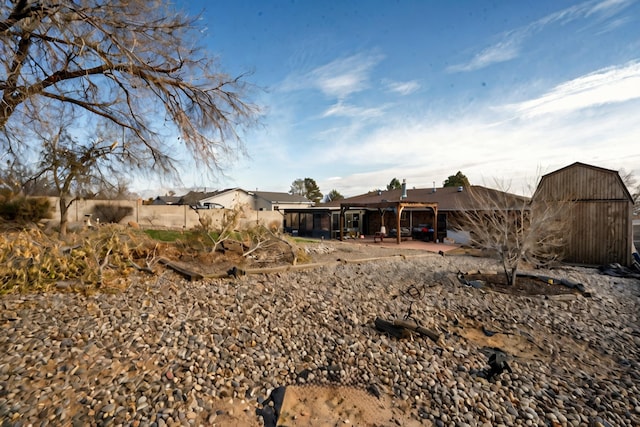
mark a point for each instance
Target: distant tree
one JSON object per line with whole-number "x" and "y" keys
{"x": 116, "y": 191}
{"x": 457, "y": 180}
{"x": 313, "y": 191}
{"x": 308, "y": 188}
{"x": 298, "y": 187}
{"x": 19, "y": 178}
{"x": 74, "y": 168}
{"x": 332, "y": 196}
{"x": 631, "y": 182}
{"x": 395, "y": 184}
{"x": 13, "y": 176}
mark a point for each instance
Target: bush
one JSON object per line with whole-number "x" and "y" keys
{"x": 108, "y": 213}
{"x": 24, "y": 209}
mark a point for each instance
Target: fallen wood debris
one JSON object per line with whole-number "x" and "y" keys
{"x": 189, "y": 274}
{"x": 403, "y": 328}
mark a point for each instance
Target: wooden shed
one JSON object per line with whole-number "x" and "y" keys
{"x": 600, "y": 215}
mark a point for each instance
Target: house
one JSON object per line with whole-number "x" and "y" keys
{"x": 273, "y": 201}
{"x": 600, "y": 216}
{"x": 425, "y": 213}
{"x": 256, "y": 200}
{"x": 166, "y": 200}
{"x": 197, "y": 199}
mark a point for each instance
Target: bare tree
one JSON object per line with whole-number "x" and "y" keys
{"x": 133, "y": 64}
{"x": 298, "y": 187}
{"x": 74, "y": 168}
{"x": 513, "y": 227}
{"x": 633, "y": 186}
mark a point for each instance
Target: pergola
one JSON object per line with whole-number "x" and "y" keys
{"x": 397, "y": 206}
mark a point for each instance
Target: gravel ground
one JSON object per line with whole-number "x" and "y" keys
{"x": 171, "y": 352}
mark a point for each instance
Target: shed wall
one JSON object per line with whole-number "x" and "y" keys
{"x": 600, "y": 229}
{"x": 600, "y": 232}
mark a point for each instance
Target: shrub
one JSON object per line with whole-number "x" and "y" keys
{"x": 111, "y": 213}
{"x": 24, "y": 209}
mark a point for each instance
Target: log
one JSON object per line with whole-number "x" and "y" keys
{"x": 191, "y": 275}
{"x": 413, "y": 326}
{"x": 393, "y": 330}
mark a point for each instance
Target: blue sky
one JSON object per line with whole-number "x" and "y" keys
{"x": 355, "y": 93}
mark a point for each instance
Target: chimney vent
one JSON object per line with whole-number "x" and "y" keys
{"x": 404, "y": 190}
{"x": 460, "y": 188}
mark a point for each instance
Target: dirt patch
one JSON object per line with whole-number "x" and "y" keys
{"x": 519, "y": 346}
{"x": 330, "y": 406}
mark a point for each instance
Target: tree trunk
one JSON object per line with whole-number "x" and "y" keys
{"x": 64, "y": 216}
{"x": 512, "y": 277}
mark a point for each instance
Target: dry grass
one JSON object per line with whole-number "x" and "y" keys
{"x": 31, "y": 261}
{"x": 105, "y": 259}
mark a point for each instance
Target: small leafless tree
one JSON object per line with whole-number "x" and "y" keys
{"x": 250, "y": 237}
{"x": 513, "y": 227}
{"x": 75, "y": 168}
{"x": 226, "y": 230}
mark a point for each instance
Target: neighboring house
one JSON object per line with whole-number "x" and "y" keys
{"x": 422, "y": 209}
{"x": 229, "y": 198}
{"x": 195, "y": 199}
{"x": 600, "y": 217}
{"x": 273, "y": 201}
{"x": 255, "y": 200}
{"x": 166, "y": 200}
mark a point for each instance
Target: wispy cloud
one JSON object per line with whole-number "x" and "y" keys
{"x": 345, "y": 110}
{"x": 503, "y": 51}
{"x": 607, "y": 7}
{"x": 339, "y": 78}
{"x": 511, "y": 43}
{"x": 404, "y": 88}
{"x": 489, "y": 147}
{"x": 606, "y": 86}
{"x": 514, "y": 152}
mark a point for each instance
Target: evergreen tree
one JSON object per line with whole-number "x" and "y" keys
{"x": 457, "y": 180}
{"x": 332, "y": 196}
{"x": 395, "y": 184}
{"x": 312, "y": 190}
{"x": 308, "y": 188}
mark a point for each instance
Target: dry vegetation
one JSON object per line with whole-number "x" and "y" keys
{"x": 104, "y": 259}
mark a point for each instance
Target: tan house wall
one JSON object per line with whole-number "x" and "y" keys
{"x": 231, "y": 199}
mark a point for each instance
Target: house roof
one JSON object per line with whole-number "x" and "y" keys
{"x": 167, "y": 200}
{"x": 447, "y": 198}
{"x": 193, "y": 197}
{"x": 275, "y": 197}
